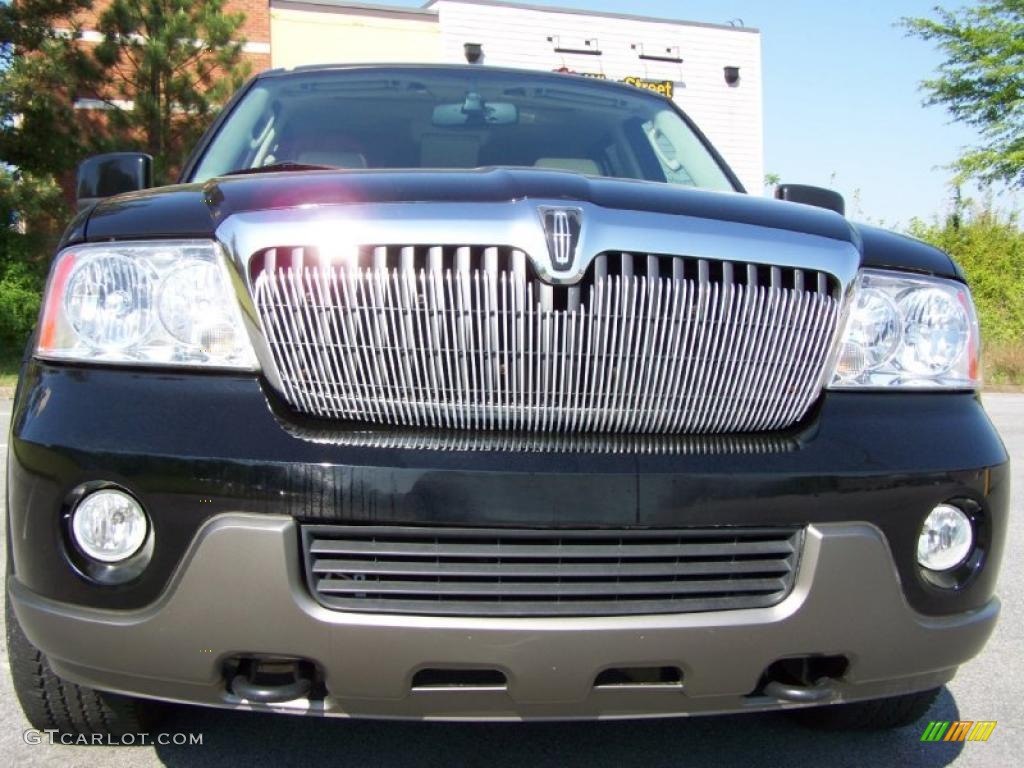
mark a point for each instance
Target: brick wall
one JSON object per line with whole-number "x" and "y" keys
{"x": 257, "y": 18}
{"x": 255, "y": 29}
{"x": 257, "y": 25}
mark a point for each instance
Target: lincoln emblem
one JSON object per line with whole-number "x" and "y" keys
{"x": 562, "y": 226}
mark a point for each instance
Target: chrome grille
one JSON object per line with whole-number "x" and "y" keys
{"x": 544, "y": 442}
{"x": 469, "y": 338}
{"x": 499, "y": 572}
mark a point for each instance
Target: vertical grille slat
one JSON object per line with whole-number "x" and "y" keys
{"x": 531, "y": 572}
{"x": 468, "y": 337}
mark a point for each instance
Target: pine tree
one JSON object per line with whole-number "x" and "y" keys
{"x": 43, "y": 69}
{"x": 169, "y": 65}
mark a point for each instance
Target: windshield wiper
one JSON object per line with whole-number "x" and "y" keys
{"x": 284, "y": 166}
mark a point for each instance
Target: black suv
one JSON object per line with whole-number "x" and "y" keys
{"x": 458, "y": 392}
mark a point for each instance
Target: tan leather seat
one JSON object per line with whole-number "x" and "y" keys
{"x": 583, "y": 165}
{"x": 338, "y": 159}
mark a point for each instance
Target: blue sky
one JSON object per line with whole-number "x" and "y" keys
{"x": 841, "y": 100}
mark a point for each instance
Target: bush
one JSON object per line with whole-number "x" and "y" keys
{"x": 1004, "y": 364}
{"x": 32, "y": 210}
{"x": 20, "y": 289}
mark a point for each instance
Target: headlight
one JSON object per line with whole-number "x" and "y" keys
{"x": 907, "y": 331}
{"x": 156, "y": 303}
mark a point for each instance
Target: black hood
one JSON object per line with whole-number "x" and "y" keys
{"x": 196, "y": 210}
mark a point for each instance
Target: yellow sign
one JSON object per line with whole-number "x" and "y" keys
{"x": 660, "y": 87}
{"x": 664, "y": 88}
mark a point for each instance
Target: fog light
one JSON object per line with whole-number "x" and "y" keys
{"x": 109, "y": 526}
{"x": 946, "y": 540}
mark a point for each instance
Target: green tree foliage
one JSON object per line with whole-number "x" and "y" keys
{"x": 176, "y": 61}
{"x": 42, "y": 70}
{"x": 19, "y": 306}
{"x": 981, "y": 82}
{"x": 990, "y": 248}
{"x": 24, "y": 198}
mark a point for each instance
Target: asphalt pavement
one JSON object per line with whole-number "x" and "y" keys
{"x": 988, "y": 688}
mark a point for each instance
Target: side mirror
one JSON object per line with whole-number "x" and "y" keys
{"x": 111, "y": 174}
{"x": 816, "y": 196}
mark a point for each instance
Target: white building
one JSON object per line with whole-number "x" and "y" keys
{"x": 712, "y": 71}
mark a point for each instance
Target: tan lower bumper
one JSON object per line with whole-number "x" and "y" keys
{"x": 240, "y": 590}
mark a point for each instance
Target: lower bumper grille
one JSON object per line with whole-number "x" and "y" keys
{"x": 499, "y": 572}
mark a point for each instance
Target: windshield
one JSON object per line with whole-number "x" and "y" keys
{"x": 468, "y": 118}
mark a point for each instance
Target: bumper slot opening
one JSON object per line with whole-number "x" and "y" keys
{"x": 639, "y": 677}
{"x": 439, "y": 679}
{"x": 273, "y": 679}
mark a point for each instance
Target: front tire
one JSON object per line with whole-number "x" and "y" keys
{"x": 876, "y": 714}
{"x": 51, "y": 703}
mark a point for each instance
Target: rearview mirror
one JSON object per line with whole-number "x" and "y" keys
{"x": 111, "y": 174}
{"x": 475, "y": 111}
{"x": 808, "y": 195}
